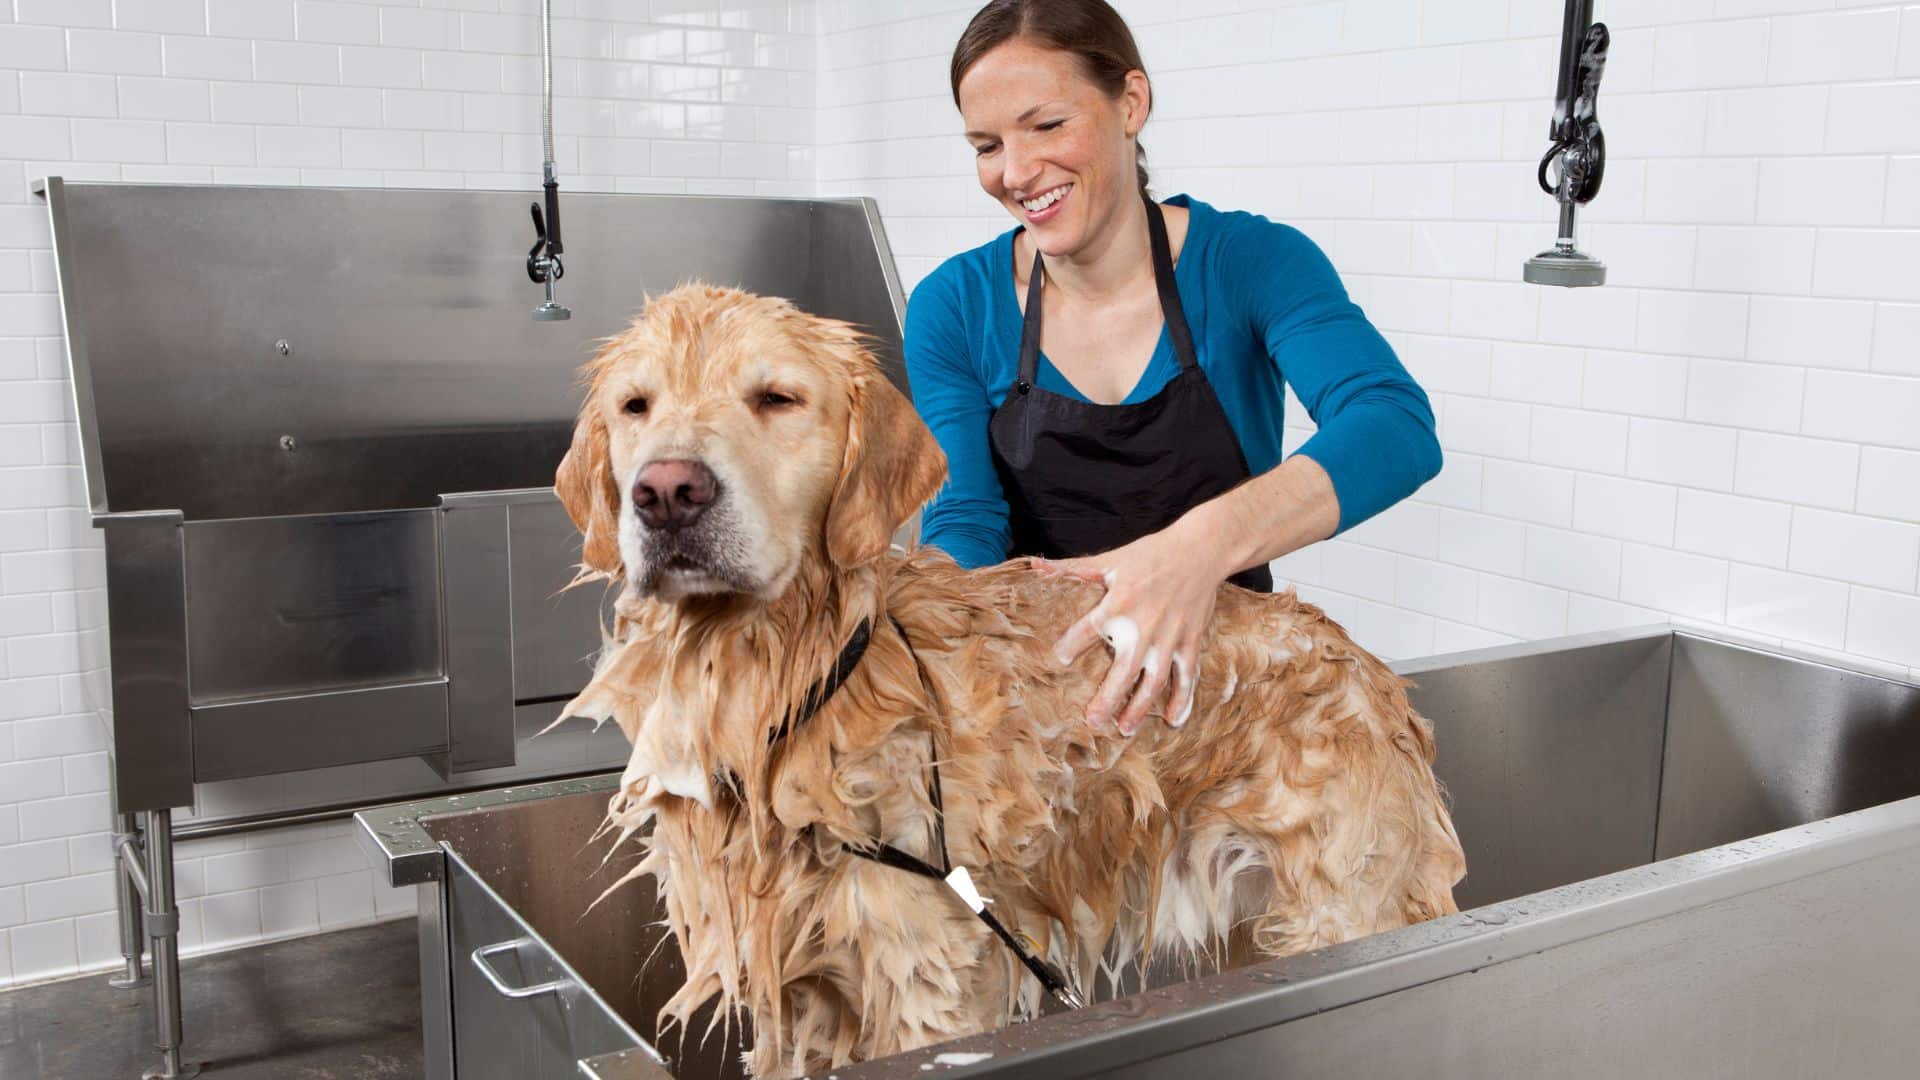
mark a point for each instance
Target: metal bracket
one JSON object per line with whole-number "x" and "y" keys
{"x": 133, "y": 862}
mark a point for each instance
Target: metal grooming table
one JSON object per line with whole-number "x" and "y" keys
{"x": 1686, "y": 856}
{"x": 319, "y": 431}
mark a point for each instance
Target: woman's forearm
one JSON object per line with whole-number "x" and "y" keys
{"x": 1278, "y": 512}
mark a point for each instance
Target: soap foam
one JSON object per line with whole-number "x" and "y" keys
{"x": 1123, "y": 634}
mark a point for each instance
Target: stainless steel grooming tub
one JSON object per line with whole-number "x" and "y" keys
{"x": 1687, "y": 856}
{"x": 319, "y": 431}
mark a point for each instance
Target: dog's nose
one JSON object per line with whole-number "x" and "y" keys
{"x": 673, "y": 494}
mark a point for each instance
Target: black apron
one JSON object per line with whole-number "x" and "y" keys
{"x": 1082, "y": 478}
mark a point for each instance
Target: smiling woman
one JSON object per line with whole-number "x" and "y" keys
{"x": 1108, "y": 378}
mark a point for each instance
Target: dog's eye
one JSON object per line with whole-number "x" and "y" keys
{"x": 635, "y": 406}
{"x": 774, "y": 399}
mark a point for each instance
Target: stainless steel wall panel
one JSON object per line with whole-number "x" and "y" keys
{"x": 147, "y": 650}
{"x": 284, "y": 734}
{"x": 843, "y": 277}
{"x": 479, "y": 633}
{"x": 555, "y": 633}
{"x": 268, "y": 351}
{"x": 573, "y": 747}
{"x": 76, "y": 337}
{"x": 1552, "y": 762}
{"x": 301, "y": 604}
{"x": 1754, "y": 745}
{"x": 541, "y": 1037}
{"x": 620, "y": 949}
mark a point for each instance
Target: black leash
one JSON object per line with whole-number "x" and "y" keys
{"x": 955, "y": 878}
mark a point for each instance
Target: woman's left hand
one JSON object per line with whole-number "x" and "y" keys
{"x": 1159, "y": 601}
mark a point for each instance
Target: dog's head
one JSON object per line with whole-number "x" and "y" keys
{"x": 728, "y": 437}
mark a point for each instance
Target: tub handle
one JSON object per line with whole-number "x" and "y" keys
{"x": 480, "y": 961}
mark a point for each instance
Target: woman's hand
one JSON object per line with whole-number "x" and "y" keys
{"x": 1160, "y": 596}
{"x": 1161, "y": 587}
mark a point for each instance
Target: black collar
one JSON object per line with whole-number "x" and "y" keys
{"x": 821, "y": 691}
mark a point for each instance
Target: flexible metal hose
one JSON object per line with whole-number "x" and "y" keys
{"x": 546, "y": 66}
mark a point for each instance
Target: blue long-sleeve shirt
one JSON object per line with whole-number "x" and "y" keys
{"x": 1266, "y": 309}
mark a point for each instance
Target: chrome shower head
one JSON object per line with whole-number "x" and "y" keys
{"x": 1569, "y": 268}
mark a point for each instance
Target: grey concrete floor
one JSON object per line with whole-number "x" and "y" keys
{"x": 331, "y": 1007}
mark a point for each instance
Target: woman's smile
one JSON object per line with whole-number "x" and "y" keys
{"x": 1046, "y": 205}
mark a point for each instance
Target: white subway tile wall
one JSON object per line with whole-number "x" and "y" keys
{"x": 701, "y": 96}
{"x": 1727, "y": 434}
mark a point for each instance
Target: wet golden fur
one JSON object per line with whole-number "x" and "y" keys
{"x": 1297, "y": 807}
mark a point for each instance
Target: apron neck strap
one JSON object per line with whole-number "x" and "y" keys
{"x": 1030, "y": 328}
{"x": 1163, "y": 282}
{"x": 1170, "y": 308}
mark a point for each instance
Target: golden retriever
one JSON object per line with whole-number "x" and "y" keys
{"x": 738, "y": 470}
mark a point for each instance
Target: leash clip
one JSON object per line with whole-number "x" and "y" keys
{"x": 961, "y": 883}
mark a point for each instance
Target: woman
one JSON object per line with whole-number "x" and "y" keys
{"x": 1107, "y": 378}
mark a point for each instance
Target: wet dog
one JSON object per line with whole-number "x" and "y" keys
{"x": 801, "y": 697}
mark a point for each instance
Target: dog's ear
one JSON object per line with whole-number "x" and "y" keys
{"x": 586, "y": 486}
{"x": 892, "y": 467}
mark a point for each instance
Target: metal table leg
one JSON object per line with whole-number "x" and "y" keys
{"x": 163, "y": 928}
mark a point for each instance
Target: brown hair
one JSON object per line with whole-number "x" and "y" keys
{"x": 1092, "y": 31}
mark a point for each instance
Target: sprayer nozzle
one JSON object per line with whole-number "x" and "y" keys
{"x": 551, "y": 312}
{"x": 1572, "y": 269}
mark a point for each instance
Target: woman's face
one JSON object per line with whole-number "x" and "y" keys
{"x": 1050, "y": 145}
